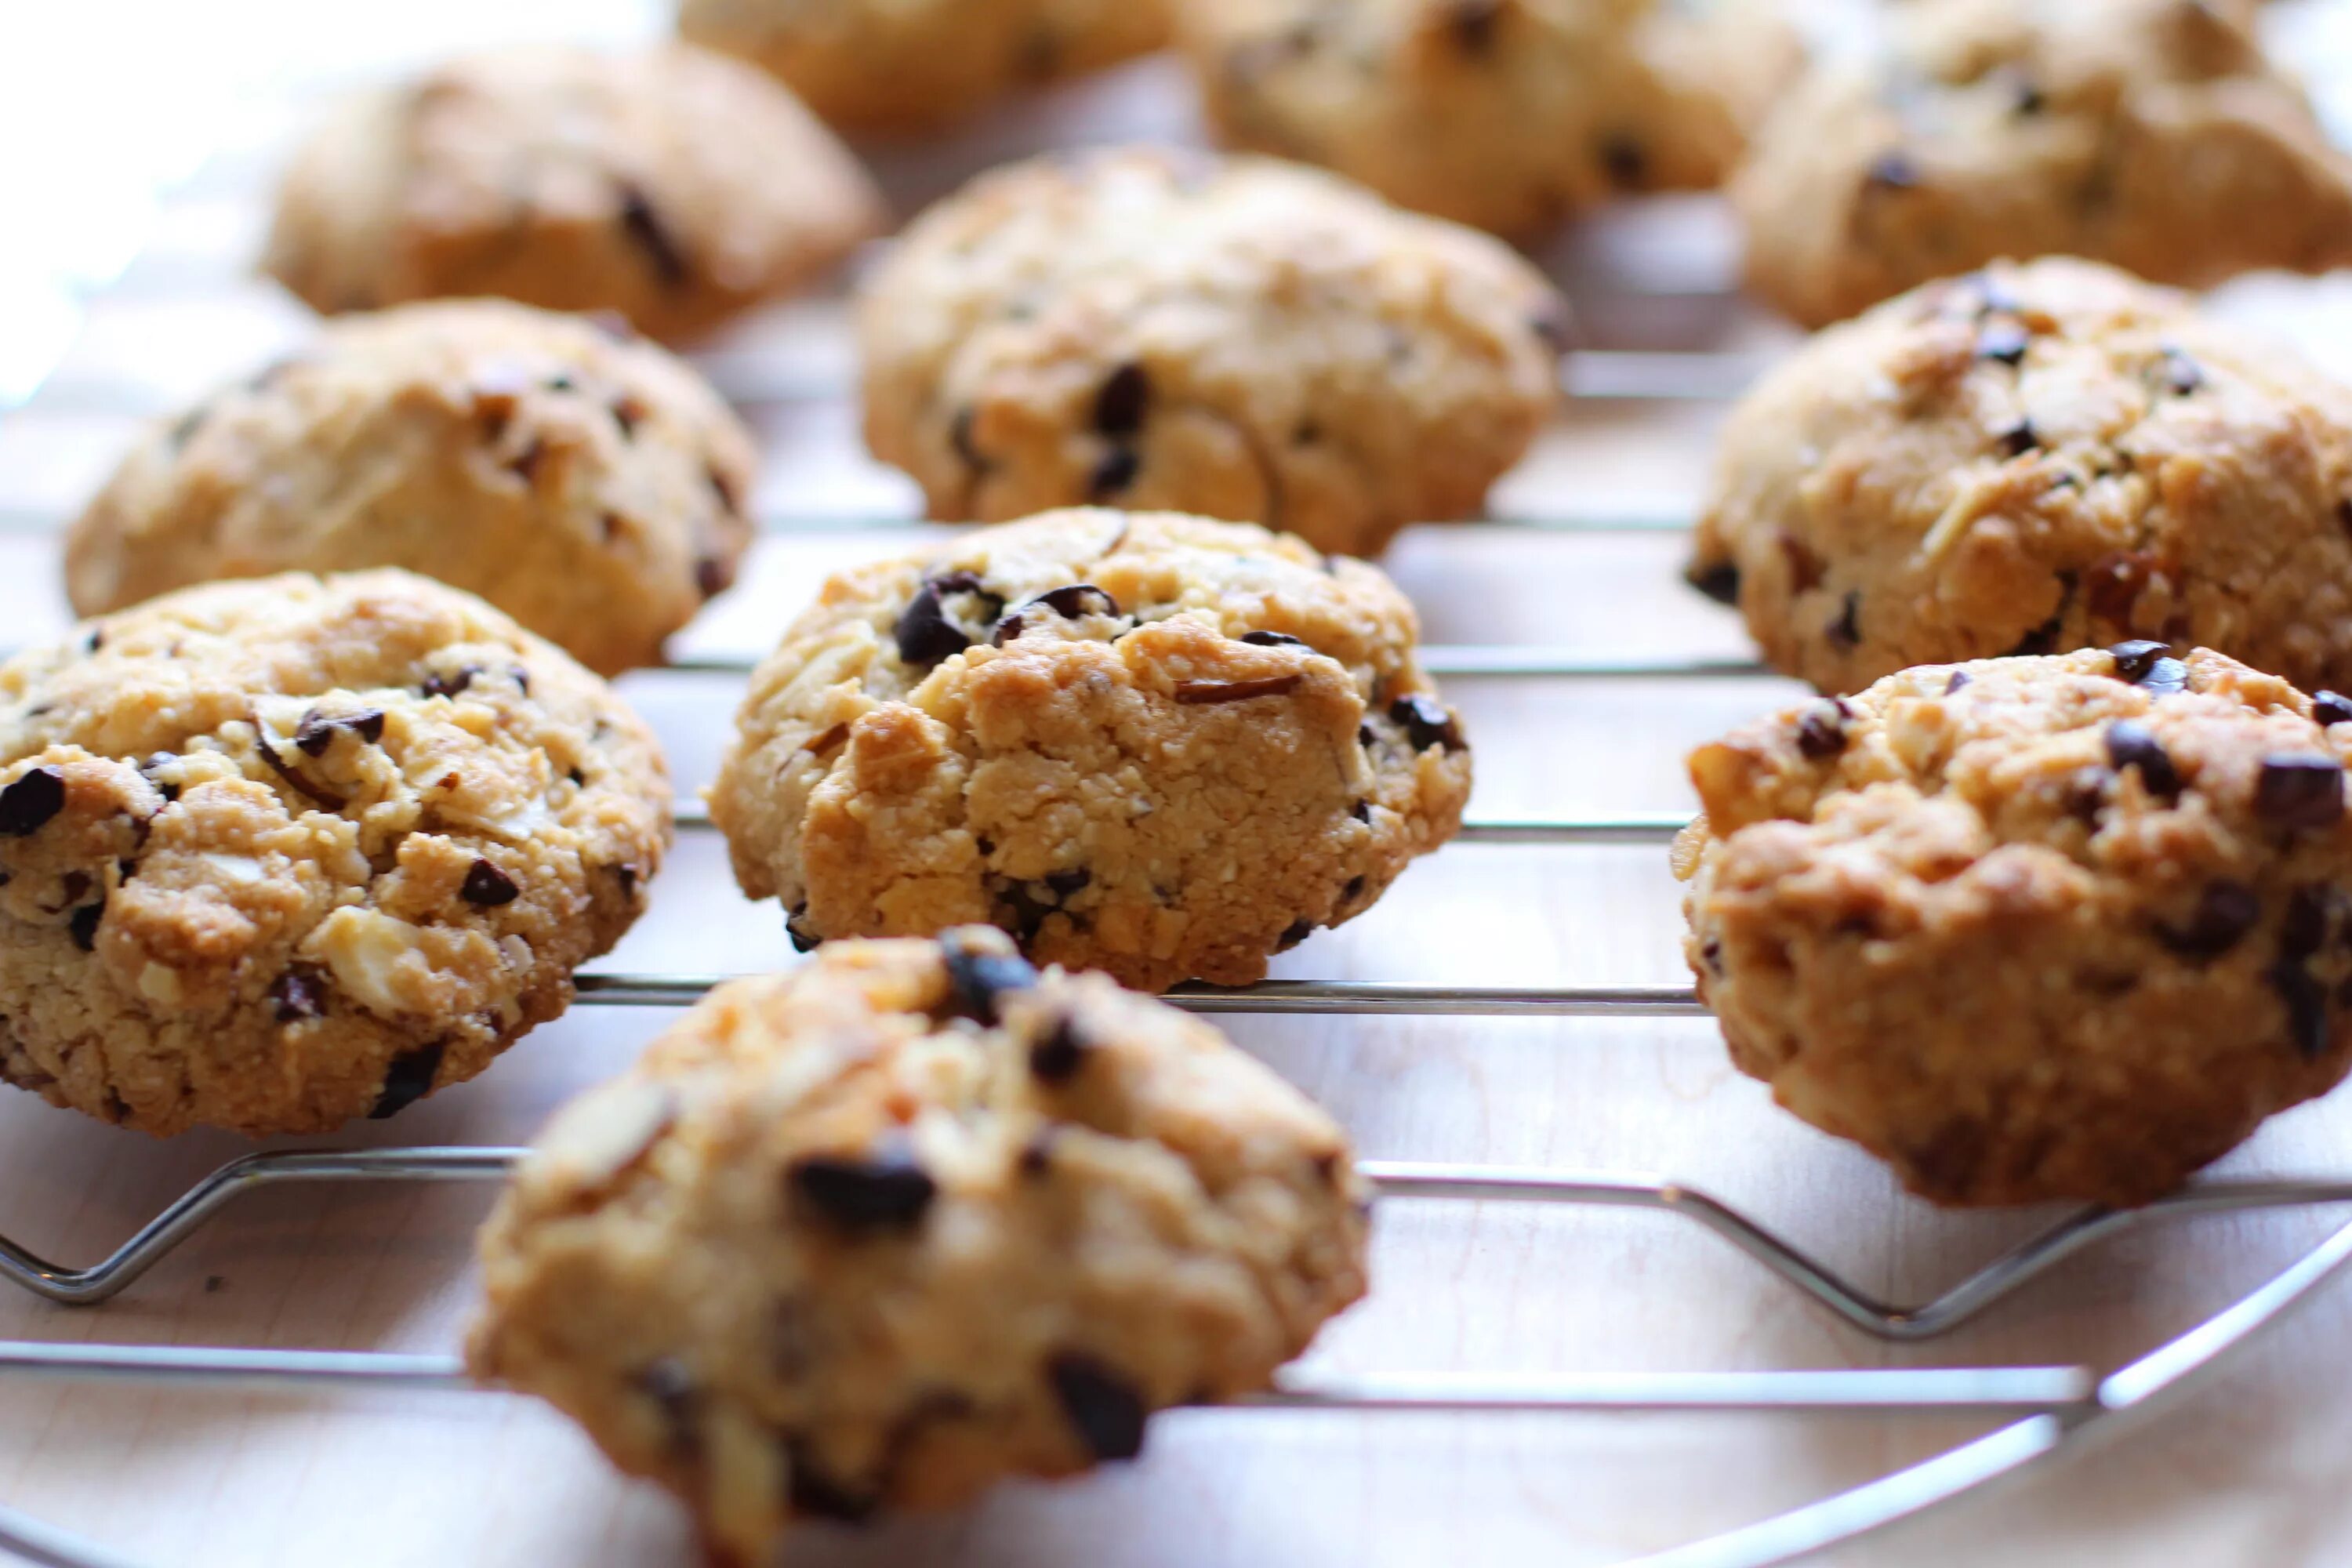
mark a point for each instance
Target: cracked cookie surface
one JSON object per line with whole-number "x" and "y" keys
{"x": 909, "y": 66}
{"x": 2030, "y": 928}
{"x": 1507, "y": 114}
{"x": 1230, "y": 337}
{"x": 2032, "y": 459}
{"x": 589, "y": 485}
{"x": 875, "y": 1233}
{"x": 1150, "y": 744}
{"x": 2153, "y": 134}
{"x": 675, "y": 187}
{"x": 281, "y": 853}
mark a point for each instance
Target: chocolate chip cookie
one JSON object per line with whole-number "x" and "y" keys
{"x": 913, "y": 1218}
{"x": 1151, "y": 328}
{"x": 2064, "y": 927}
{"x": 1148, "y": 744}
{"x": 590, "y": 486}
{"x": 2149, "y": 133}
{"x": 281, "y": 853}
{"x": 1507, "y": 114}
{"x": 907, "y": 67}
{"x": 2031, "y": 459}
{"x": 675, "y": 187}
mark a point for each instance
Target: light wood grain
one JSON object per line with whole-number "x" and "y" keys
{"x": 2254, "y": 1471}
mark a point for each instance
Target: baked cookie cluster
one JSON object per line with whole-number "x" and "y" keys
{"x": 2150, "y": 133}
{"x": 1238, "y": 338}
{"x": 1152, "y": 745}
{"x": 913, "y": 1218}
{"x": 675, "y": 187}
{"x": 1507, "y": 114}
{"x": 577, "y": 477}
{"x": 2033, "y": 927}
{"x": 2031, "y": 459}
{"x": 281, "y": 853}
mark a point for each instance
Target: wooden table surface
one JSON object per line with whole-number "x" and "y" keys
{"x": 2254, "y": 1468}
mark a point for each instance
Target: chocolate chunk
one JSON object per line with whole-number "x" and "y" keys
{"x": 1891, "y": 171}
{"x": 84, "y": 925}
{"x": 2305, "y": 1001}
{"x": 802, "y": 939}
{"x": 408, "y": 1080}
{"x": 317, "y": 730}
{"x": 2330, "y": 708}
{"x": 976, "y": 978}
{"x": 1065, "y": 883}
{"x": 1821, "y": 728}
{"x": 2131, "y": 744}
{"x": 450, "y": 685}
{"x": 2179, "y": 374}
{"x": 1362, "y": 811}
{"x": 1958, "y": 678}
{"x": 1104, "y": 1408}
{"x": 817, "y": 1495}
{"x": 488, "y": 885}
{"x": 1365, "y": 738}
{"x": 2004, "y": 341}
{"x": 2019, "y": 438}
{"x": 2136, "y": 660}
{"x": 1846, "y": 630}
{"x": 1624, "y": 161}
{"x": 298, "y": 994}
{"x": 1293, "y": 934}
{"x": 1057, "y": 1057}
{"x": 2297, "y": 791}
{"x": 1474, "y": 24}
{"x": 96, "y": 640}
{"x": 1206, "y": 693}
{"x": 2304, "y": 927}
{"x": 645, "y": 230}
{"x": 1427, "y": 722}
{"x": 325, "y": 799}
{"x": 1071, "y": 602}
{"x": 879, "y": 1192}
{"x": 1124, "y": 400}
{"x": 926, "y": 636}
{"x": 1718, "y": 580}
{"x": 1273, "y": 639}
{"x": 27, "y": 805}
{"x": 2225, "y": 911}
{"x": 1114, "y": 473}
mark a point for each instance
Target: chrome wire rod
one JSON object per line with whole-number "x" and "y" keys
{"x": 1338, "y": 998}
{"x": 693, "y": 816}
{"x": 1464, "y": 661}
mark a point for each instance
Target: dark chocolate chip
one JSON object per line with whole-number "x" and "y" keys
{"x": 1427, "y": 722}
{"x": 645, "y": 230}
{"x": 925, "y": 633}
{"x": 2131, "y": 744}
{"x": 317, "y": 730}
{"x": 628, "y": 413}
{"x": 1064, "y": 883}
{"x": 1057, "y": 1057}
{"x": 298, "y": 994}
{"x": 2305, "y": 1001}
{"x": 1114, "y": 473}
{"x": 2115, "y": 582}
{"x": 1821, "y": 728}
{"x": 1362, "y": 811}
{"x": 1273, "y": 639}
{"x": 2299, "y": 791}
{"x": 2133, "y": 660}
{"x": 450, "y": 685}
{"x": 96, "y": 640}
{"x": 882, "y": 1191}
{"x": 816, "y": 1495}
{"x": 1958, "y": 678}
{"x": 2019, "y": 438}
{"x": 409, "y": 1079}
{"x": 1474, "y": 24}
{"x": 2304, "y": 926}
{"x": 84, "y": 925}
{"x": 1103, "y": 1407}
{"x": 1293, "y": 934}
{"x": 1037, "y": 1154}
{"x": 976, "y": 978}
{"x": 1893, "y": 171}
{"x": 1352, "y": 892}
{"x": 1124, "y": 400}
{"x": 1710, "y": 953}
{"x": 1070, "y": 603}
{"x": 2225, "y": 911}
{"x": 1624, "y": 161}
{"x": 1718, "y": 580}
{"x": 2004, "y": 341}
{"x": 1846, "y": 630}
{"x": 488, "y": 885}
{"x": 27, "y": 805}
{"x": 1203, "y": 693}
{"x": 1365, "y": 738}
{"x": 1805, "y": 568}
{"x": 325, "y": 799}
{"x": 2330, "y": 708}
{"x": 804, "y": 940}
{"x": 2181, "y": 375}
{"x": 713, "y": 576}
{"x": 2027, "y": 97}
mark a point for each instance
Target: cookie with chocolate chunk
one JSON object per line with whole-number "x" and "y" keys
{"x": 2153, "y": 134}
{"x": 2032, "y": 459}
{"x": 675, "y": 187}
{"x": 1144, "y": 743}
{"x": 914, "y": 1218}
{"x": 281, "y": 853}
{"x": 592, "y": 487}
{"x": 1237, "y": 338}
{"x": 2036, "y": 928}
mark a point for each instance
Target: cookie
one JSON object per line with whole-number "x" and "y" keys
{"x": 1151, "y": 328}
{"x": 590, "y": 486}
{"x": 910, "y": 67}
{"x": 281, "y": 853}
{"x": 2032, "y": 459}
{"x": 2150, "y": 133}
{"x": 876, "y": 1234}
{"x": 1148, "y": 744}
{"x": 1507, "y": 114}
{"x": 2027, "y": 928}
{"x": 675, "y": 187}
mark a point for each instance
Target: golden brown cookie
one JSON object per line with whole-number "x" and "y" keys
{"x": 591, "y": 486}
{"x": 909, "y": 67}
{"x": 1507, "y": 114}
{"x": 675, "y": 187}
{"x": 281, "y": 853}
{"x": 911, "y": 1219}
{"x": 2032, "y": 459}
{"x": 2028, "y": 929}
{"x": 1237, "y": 338}
{"x": 1148, "y": 744}
{"x": 2149, "y": 133}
